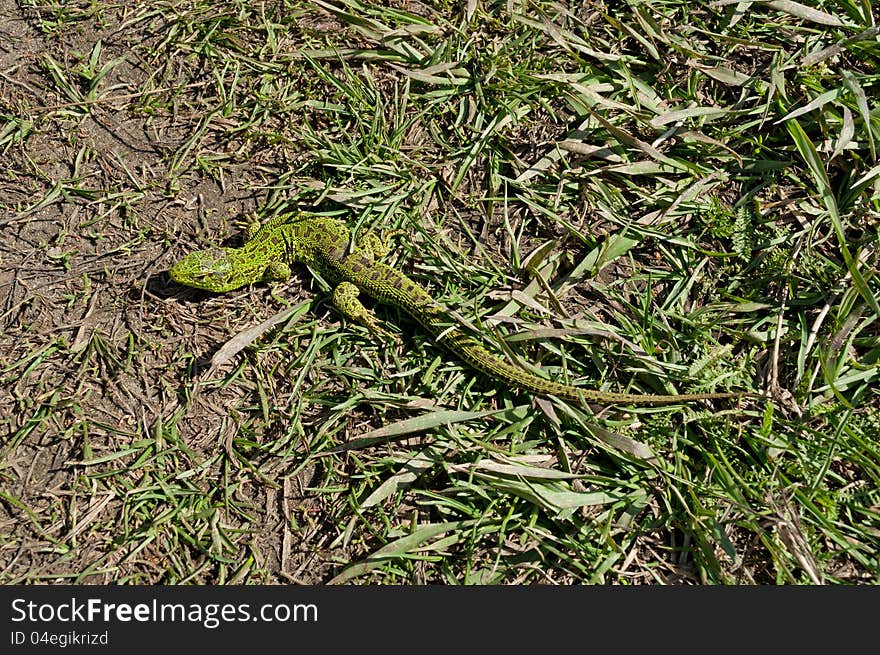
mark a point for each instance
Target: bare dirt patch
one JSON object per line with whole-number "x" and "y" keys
{"x": 91, "y": 202}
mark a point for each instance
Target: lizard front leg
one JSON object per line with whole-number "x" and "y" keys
{"x": 375, "y": 244}
{"x": 345, "y": 298}
{"x": 276, "y": 271}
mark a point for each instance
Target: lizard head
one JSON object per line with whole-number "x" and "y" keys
{"x": 214, "y": 269}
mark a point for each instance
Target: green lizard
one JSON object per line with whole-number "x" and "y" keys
{"x": 323, "y": 244}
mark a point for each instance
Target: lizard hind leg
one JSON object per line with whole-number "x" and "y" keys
{"x": 345, "y": 298}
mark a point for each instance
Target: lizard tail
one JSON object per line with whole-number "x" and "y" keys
{"x": 483, "y": 360}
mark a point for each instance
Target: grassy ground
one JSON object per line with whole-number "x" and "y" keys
{"x": 653, "y": 197}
